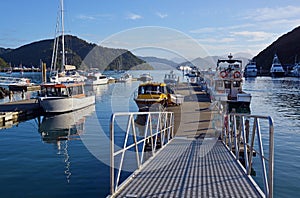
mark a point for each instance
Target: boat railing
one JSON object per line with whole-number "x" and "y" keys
{"x": 138, "y": 132}
{"x": 243, "y": 134}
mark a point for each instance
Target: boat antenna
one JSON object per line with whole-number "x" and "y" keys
{"x": 55, "y": 46}
{"x": 62, "y": 35}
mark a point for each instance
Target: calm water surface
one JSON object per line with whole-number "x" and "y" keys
{"x": 71, "y": 157}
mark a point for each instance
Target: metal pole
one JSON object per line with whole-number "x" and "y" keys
{"x": 112, "y": 166}
{"x": 271, "y": 156}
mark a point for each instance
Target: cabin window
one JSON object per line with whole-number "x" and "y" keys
{"x": 227, "y": 84}
{"x": 236, "y": 84}
{"x": 64, "y": 92}
{"x": 219, "y": 85}
{"x": 141, "y": 90}
{"x": 169, "y": 90}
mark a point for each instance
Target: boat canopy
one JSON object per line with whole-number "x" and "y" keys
{"x": 70, "y": 67}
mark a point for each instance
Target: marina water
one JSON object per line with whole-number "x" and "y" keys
{"x": 72, "y": 160}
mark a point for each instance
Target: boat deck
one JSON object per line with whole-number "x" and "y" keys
{"x": 191, "y": 168}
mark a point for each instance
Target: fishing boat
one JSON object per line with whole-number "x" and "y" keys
{"x": 67, "y": 73}
{"x": 96, "y": 79}
{"x": 62, "y": 98}
{"x": 250, "y": 69}
{"x": 171, "y": 78}
{"x": 156, "y": 96}
{"x": 145, "y": 77}
{"x": 227, "y": 86}
{"x": 276, "y": 68}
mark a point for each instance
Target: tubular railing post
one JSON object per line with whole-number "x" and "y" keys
{"x": 229, "y": 132}
{"x": 245, "y": 142}
{"x": 252, "y": 145}
{"x": 235, "y": 138}
{"x": 135, "y": 141}
{"x": 112, "y": 163}
{"x": 145, "y": 138}
{"x": 263, "y": 167}
{"x": 271, "y": 157}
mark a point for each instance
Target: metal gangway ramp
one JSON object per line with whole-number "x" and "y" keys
{"x": 203, "y": 165}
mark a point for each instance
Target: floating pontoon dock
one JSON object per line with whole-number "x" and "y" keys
{"x": 197, "y": 155}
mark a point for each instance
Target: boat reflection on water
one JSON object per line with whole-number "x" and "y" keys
{"x": 59, "y": 129}
{"x": 64, "y": 126}
{"x": 97, "y": 90}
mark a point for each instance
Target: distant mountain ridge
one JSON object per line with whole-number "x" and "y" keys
{"x": 80, "y": 53}
{"x": 201, "y": 63}
{"x": 159, "y": 63}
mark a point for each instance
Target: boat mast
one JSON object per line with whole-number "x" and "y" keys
{"x": 62, "y": 35}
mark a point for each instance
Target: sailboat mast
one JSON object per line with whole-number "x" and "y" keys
{"x": 62, "y": 35}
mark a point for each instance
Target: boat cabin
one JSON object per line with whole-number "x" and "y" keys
{"x": 62, "y": 90}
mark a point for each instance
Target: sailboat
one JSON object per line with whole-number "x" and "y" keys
{"x": 67, "y": 73}
{"x": 64, "y": 93}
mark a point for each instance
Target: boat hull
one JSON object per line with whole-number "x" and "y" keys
{"x": 277, "y": 74}
{"x": 63, "y": 104}
{"x": 150, "y": 105}
{"x": 250, "y": 73}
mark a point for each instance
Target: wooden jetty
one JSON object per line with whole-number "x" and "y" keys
{"x": 28, "y": 106}
{"x": 195, "y": 163}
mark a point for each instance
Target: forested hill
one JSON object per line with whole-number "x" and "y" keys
{"x": 78, "y": 52}
{"x": 287, "y": 47}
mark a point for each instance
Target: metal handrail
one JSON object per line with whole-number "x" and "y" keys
{"x": 164, "y": 129}
{"x": 236, "y": 133}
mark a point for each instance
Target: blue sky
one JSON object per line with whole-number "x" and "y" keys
{"x": 218, "y": 27}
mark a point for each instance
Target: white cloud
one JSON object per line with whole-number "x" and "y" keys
{"x": 85, "y": 17}
{"x": 133, "y": 16}
{"x": 266, "y": 14}
{"x": 254, "y": 35}
{"x": 161, "y": 15}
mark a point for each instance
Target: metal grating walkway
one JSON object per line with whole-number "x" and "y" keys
{"x": 191, "y": 168}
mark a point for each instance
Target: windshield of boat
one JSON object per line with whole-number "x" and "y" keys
{"x": 54, "y": 91}
{"x": 151, "y": 89}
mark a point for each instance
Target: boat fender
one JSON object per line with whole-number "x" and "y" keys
{"x": 237, "y": 74}
{"x": 223, "y": 74}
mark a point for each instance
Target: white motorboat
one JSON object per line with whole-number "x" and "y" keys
{"x": 276, "y": 68}
{"x": 7, "y": 80}
{"x": 61, "y": 98}
{"x": 226, "y": 86}
{"x": 250, "y": 69}
{"x": 96, "y": 79}
{"x": 145, "y": 77}
{"x": 171, "y": 78}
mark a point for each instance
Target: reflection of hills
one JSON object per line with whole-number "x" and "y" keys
{"x": 97, "y": 90}
{"x": 64, "y": 126}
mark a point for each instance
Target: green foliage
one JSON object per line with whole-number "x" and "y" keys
{"x": 3, "y": 64}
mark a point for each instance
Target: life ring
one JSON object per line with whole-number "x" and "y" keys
{"x": 237, "y": 74}
{"x": 223, "y": 74}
